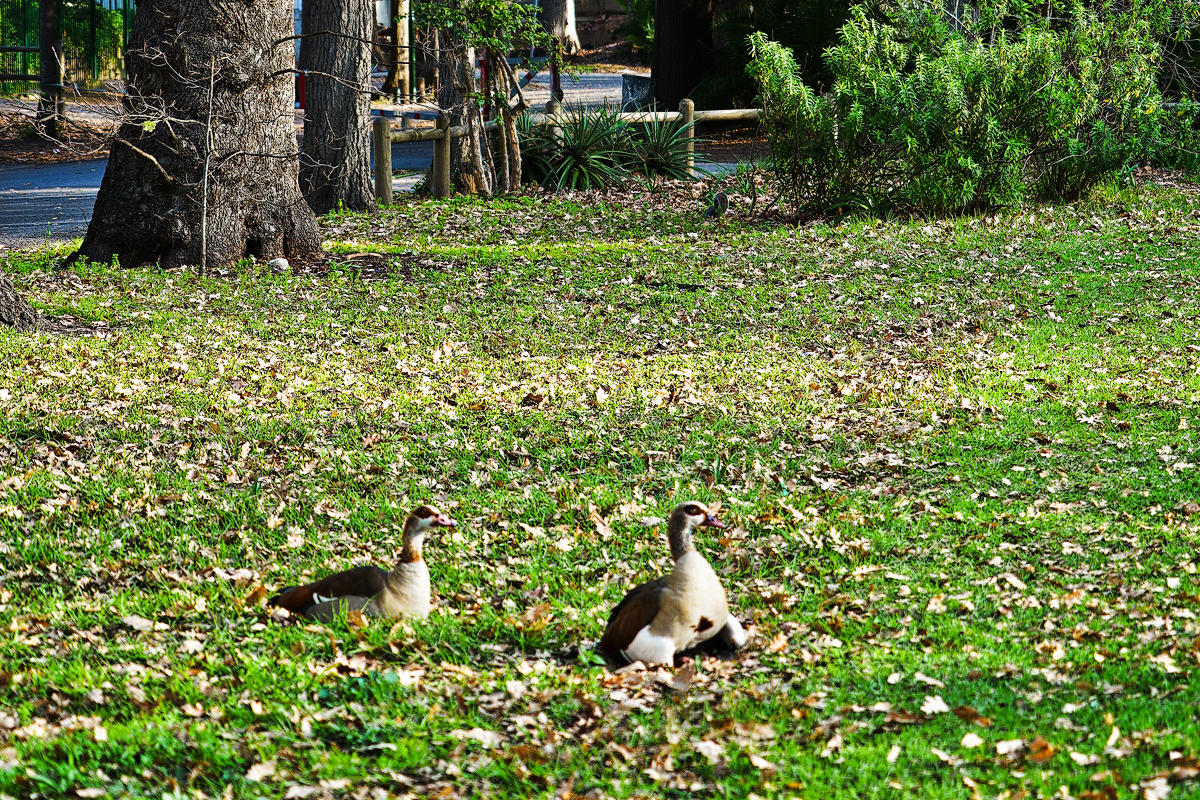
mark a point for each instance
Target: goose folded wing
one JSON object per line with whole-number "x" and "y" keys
{"x": 637, "y": 610}
{"x": 357, "y": 582}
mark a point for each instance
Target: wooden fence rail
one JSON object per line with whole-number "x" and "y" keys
{"x": 442, "y": 133}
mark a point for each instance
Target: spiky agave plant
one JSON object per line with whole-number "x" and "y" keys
{"x": 659, "y": 148}
{"x": 583, "y": 154}
{"x": 537, "y": 150}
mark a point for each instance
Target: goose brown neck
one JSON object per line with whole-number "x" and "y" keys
{"x": 413, "y": 536}
{"x": 679, "y": 536}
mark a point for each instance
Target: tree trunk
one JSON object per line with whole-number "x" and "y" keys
{"x": 335, "y": 162}
{"x": 683, "y": 47}
{"x": 559, "y": 18}
{"x": 398, "y": 53}
{"x": 172, "y": 194}
{"x": 15, "y": 311}
{"x": 470, "y": 170}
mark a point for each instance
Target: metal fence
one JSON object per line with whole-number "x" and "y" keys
{"x": 94, "y": 34}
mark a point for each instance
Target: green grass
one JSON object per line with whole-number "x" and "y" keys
{"x": 957, "y": 459}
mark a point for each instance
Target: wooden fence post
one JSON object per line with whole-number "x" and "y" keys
{"x": 441, "y": 159}
{"x": 554, "y": 111}
{"x": 382, "y": 132}
{"x": 687, "y": 113}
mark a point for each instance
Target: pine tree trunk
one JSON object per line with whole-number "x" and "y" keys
{"x": 152, "y": 205}
{"x": 559, "y": 18}
{"x": 335, "y": 162}
{"x": 15, "y": 311}
{"x": 683, "y": 48}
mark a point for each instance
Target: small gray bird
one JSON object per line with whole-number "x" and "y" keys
{"x": 719, "y": 206}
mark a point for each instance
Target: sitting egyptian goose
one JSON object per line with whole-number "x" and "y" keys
{"x": 403, "y": 592}
{"x": 680, "y": 612}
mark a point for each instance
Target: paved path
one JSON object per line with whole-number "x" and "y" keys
{"x": 47, "y": 202}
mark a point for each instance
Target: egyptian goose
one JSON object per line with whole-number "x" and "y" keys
{"x": 403, "y": 592}
{"x": 666, "y": 618}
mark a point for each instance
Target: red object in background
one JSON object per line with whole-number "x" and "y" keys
{"x": 300, "y": 90}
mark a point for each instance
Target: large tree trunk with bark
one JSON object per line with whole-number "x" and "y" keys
{"x": 559, "y": 18}
{"x": 15, "y": 311}
{"x": 204, "y": 166}
{"x": 335, "y": 163}
{"x": 683, "y": 46}
{"x": 471, "y": 169}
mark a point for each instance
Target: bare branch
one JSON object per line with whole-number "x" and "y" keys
{"x": 143, "y": 153}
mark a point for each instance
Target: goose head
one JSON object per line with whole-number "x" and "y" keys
{"x": 422, "y": 519}
{"x": 685, "y": 519}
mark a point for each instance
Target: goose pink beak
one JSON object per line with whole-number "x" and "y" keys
{"x": 712, "y": 522}
{"x": 444, "y": 521}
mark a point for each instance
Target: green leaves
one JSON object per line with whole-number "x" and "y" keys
{"x": 929, "y": 114}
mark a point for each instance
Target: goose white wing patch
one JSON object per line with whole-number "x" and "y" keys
{"x": 650, "y": 649}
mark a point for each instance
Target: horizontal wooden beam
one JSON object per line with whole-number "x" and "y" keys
{"x": 435, "y": 134}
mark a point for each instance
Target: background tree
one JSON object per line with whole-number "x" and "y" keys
{"x": 480, "y": 162}
{"x": 203, "y": 167}
{"x": 559, "y": 18}
{"x": 683, "y": 48}
{"x": 397, "y": 52}
{"x": 335, "y": 161}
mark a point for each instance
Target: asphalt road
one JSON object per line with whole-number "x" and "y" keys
{"x": 42, "y": 203}
{"x": 47, "y": 202}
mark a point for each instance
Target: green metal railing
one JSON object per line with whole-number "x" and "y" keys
{"x": 94, "y": 33}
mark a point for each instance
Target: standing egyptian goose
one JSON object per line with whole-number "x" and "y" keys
{"x": 403, "y": 592}
{"x": 679, "y": 612}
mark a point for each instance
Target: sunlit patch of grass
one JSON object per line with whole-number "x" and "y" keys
{"x": 957, "y": 458}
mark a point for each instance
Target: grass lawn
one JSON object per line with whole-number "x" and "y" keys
{"x": 957, "y": 459}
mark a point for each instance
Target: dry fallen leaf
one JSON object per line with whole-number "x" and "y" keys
{"x": 260, "y": 771}
{"x": 934, "y": 704}
{"x": 1009, "y": 746}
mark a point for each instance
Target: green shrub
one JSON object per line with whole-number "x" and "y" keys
{"x": 581, "y": 152}
{"x": 638, "y": 30}
{"x": 934, "y": 114}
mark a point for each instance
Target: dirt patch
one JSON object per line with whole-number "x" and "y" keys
{"x": 20, "y": 143}
{"x": 727, "y": 144}
{"x": 618, "y": 56}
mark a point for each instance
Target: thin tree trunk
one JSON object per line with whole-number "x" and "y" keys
{"x": 559, "y": 18}
{"x": 391, "y": 52}
{"x": 335, "y": 162}
{"x": 149, "y": 204}
{"x": 456, "y": 83}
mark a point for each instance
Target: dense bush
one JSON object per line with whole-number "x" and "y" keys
{"x": 638, "y": 29}
{"x": 935, "y": 113}
{"x": 807, "y": 27}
